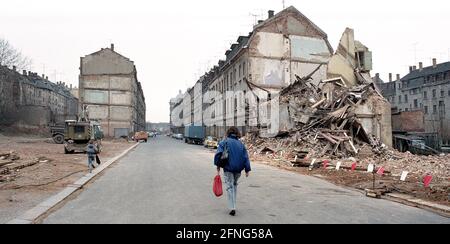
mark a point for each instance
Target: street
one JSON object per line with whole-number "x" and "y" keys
{"x": 167, "y": 181}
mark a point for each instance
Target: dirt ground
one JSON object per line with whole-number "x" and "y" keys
{"x": 54, "y": 171}
{"x": 438, "y": 192}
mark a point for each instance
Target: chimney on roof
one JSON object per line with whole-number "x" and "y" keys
{"x": 24, "y": 72}
{"x": 43, "y": 76}
{"x": 434, "y": 62}
{"x": 398, "y": 76}
{"x": 377, "y": 75}
{"x": 29, "y": 73}
{"x": 271, "y": 13}
{"x": 390, "y": 77}
{"x": 420, "y": 66}
{"x": 410, "y": 69}
{"x": 414, "y": 67}
{"x": 112, "y": 46}
{"x": 46, "y": 78}
{"x": 260, "y": 21}
{"x": 14, "y": 68}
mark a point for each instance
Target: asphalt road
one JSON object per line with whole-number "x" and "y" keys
{"x": 167, "y": 181}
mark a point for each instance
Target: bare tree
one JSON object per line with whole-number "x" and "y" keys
{"x": 9, "y": 56}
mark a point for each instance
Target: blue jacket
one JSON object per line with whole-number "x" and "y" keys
{"x": 237, "y": 155}
{"x": 91, "y": 150}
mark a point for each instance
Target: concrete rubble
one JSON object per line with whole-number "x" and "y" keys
{"x": 327, "y": 130}
{"x": 325, "y": 118}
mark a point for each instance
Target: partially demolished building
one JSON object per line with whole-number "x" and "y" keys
{"x": 111, "y": 92}
{"x": 288, "y": 59}
{"x": 29, "y": 100}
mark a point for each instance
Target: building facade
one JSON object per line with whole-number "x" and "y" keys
{"x": 263, "y": 63}
{"x": 267, "y": 60}
{"x": 30, "y": 100}
{"x": 176, "y": 114}
{"x": 425, "y": 89}
{"x": 111, "y": 93}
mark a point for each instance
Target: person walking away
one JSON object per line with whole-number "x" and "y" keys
{"x": 91, "y": 153}
{"x": 238, "y": 161}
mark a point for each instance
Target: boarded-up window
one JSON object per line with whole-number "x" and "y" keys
{"x": 96, "y": 96}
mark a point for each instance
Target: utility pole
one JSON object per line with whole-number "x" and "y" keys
{"x": 55, "y": 74}
{"x": 254, "y": 16}
{"x": 415, "y": 52}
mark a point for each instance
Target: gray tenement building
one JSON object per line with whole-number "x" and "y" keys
{"x": 111, "y": 93}
{"x": 31, "y": 101}
{"x": 424, "y": 89}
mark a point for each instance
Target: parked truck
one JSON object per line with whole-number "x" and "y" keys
{"x": 194, "y": 134}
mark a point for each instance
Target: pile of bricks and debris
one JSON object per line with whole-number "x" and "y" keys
{"x": 327, "y": 132}
{"x": 11, "y": 164}
{"x": 325, "y": 127}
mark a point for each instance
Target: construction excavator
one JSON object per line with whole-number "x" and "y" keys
{"x": 78, "y": 133}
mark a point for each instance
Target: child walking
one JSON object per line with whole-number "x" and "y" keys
{"x": 91, "y": 153}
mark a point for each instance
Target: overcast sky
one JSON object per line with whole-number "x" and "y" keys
{"x": 174, "y": 41}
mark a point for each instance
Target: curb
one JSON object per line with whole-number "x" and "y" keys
{"x": 35, "y": 213}
{"x": 418, "y": 203}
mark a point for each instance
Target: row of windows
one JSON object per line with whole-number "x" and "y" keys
{"x": 435, "y": 109}
{"x": 230, "y": 79}
{"x": 437, "y": 77}
{"x": 430, "y": 78}
{"x": 404, "y": 98}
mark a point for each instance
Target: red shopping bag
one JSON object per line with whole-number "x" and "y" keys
{"x": 217, "y": 186}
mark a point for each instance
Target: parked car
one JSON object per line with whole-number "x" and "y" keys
{"x": 179, "y": 136}
{"x": 140, "y": 136}
{"x": 211, "y": 142}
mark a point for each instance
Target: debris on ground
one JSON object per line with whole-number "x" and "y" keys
{"x": 40, "y": 169}
{"x": 327, "y": 132}
{"x": 11, "y": 164}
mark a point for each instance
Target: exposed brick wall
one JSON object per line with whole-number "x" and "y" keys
{"x": 412, "y": 121}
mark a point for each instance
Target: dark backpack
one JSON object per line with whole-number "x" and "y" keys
{"x": 223, "y": 161}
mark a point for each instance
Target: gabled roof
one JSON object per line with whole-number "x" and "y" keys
{"x": 109, "y": 50}
{"x": 292, "y": 9}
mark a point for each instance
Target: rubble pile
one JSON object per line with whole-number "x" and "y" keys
{"x": 8, "y": 158}
{"x": 326, "y": 131}
{"x": 325, "y": 121}
{"x": 435, "y": 165}
{"x": 10, "y": 165}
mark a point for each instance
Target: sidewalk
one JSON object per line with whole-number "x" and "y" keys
{"x": 33, "y": 214}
